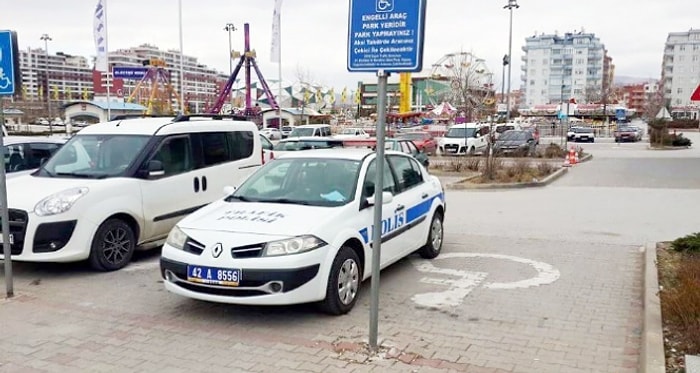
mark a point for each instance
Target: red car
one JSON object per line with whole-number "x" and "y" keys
{"x": 423, "y": 140}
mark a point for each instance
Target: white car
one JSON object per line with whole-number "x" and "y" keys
{"x": 464, "y": 139}
{"x": 272, "y": 133}
{"x": 300, "y": 230}
{"x": 351, "y": 133}
{"x": 24, "y": 154}
{"x": 119, "y": 185}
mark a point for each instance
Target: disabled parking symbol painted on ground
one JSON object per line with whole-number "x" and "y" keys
{"x": 459, "y": 283}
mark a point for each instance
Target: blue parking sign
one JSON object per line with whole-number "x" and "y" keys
{"x": 386, "y": 35}
{"x": 7, "y": 67}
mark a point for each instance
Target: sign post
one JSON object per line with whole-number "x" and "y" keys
{"x": 7, "y": 87}
{"x": 384, "y": 36}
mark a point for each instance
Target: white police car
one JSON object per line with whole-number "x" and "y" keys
{"x": 300, "y": 230}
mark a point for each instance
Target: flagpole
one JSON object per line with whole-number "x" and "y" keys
{"x": 182, "y": 63}
{"x": 109, "y": 83}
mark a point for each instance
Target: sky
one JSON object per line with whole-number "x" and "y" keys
{"x": 314, "y": 33}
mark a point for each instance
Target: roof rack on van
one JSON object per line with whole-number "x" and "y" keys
{"x": 185, "y": 118}
{"x": 137, "y": 116}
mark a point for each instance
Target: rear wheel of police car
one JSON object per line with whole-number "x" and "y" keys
{"x": 113, "y": 245}
{"x": 433, "y": 244}
{"x": 344, "y": 282}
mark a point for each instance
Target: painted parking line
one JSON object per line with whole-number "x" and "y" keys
{"x": 460, "y": 283}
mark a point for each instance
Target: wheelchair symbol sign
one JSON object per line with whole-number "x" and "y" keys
{"x": 384, "y": 6}
{"x": 460, "y": 283}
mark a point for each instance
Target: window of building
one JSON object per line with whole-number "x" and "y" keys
{"x": 532, "y": 82}
{"x": 681, "y": 48}
{"x": 681, "y": 58}
{"x": 580, "y": 61}
{"x": 695, "y": 58}
{"x": 679, "y": 90}
{"x": 545, "y": 61}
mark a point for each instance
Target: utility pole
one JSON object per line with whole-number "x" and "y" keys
{"x": 511, "y": 4}
{"x": 46, "y": 38}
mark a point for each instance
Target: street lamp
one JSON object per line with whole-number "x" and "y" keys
{"x": 230, "y": 28}
{"x": 46, "y": 38}
{"x": 511, "y": 4}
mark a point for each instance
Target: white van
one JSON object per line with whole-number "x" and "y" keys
{"x": 465, "y": 139}
{"x": 309, "y": 130}
{"x": 119, "y": 185}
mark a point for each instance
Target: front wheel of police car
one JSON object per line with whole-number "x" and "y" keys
{"x": 343, "y": 282}
{"x": 433, "y": 244}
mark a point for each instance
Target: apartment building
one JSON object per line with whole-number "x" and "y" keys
{"x": 680, "y": 72}
{"x": 557, "y": 67}
{"x": 59, "y": 76}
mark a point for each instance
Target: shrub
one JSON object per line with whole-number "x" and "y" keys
{"x": 455, "y": 164}
{"x": 545, "y": 168}
{"x": 689, "y": 243}
{"x": 554, "y": 151}
{"x": 680, "y": 303}
{"x": 473, "y": 163}
{"x": 683, "y": 123}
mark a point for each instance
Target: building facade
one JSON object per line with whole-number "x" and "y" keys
{"x": 680, "y": 72}
{"x": 59, "y": 76}
{"x": 557, "y": 67}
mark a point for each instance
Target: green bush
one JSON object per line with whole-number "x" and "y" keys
{"x": 689, "y": 243}
{"x": 677, "y": 140}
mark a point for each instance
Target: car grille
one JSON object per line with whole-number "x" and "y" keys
{"x": 18, "y": 228}
{"x": 452, "y": 148}
{"x": 249, "y": 251}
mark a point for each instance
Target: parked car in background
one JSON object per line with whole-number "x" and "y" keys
{"x": 272, "y": 133}
{"x": 24, "y": 154}
{"x": 320, "y": 130}
{"x": 267, "y": 153}
{"x": 286, "y": 130}
{"x": 584, "y": 134}
{"x": 628, "y": 133}
{"x": 352, "y": 132}
{"x": 515, "y": 142}
{"x": 466, "y": 138}
{"x": 401, "y": 145}
{"x": 292, "y": 144}
{"x": 423, "y": 140}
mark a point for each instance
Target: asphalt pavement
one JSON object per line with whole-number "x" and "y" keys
{"x": 530, "y": 280}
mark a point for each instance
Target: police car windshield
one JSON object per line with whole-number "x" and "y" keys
{"x": 95, "y": 156}
{"x": 460, "y": 132}
{"x": 302, "y": 181}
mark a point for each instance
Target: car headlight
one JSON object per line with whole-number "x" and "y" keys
{"x": 60, "y": 202}
{"x": 294, "y": 245}
{"x": 176, "y": 238}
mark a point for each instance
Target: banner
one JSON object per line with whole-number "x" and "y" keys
{"x": 100, "y": 34}
{"x": 275, "y": 54}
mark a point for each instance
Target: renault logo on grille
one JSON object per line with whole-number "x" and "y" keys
{"x": 217, "y": 250}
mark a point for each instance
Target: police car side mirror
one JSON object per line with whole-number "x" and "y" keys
{"x": 387, "y": 197}
{"x": 155, "y": 168}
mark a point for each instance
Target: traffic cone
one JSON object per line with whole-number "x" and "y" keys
{"x": 566, "y": 161}
{"x": 572, "y": 156}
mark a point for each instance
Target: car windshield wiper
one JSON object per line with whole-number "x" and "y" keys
{"x": 237, "y": 198}
{"x": 82, "y": 176}
{"x": 286, "y": 201}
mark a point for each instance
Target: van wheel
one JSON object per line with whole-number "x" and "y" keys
{"x": 433, "y": 245}
{"x": 113, "y": 246}
{"x": 343, "y": 283}
{"x": 472, "y": 151}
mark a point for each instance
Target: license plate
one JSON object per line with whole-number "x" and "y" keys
{"x": 2, "y": 238}
{"x": 451, "y": 150}
{"x": 214, "y": 276}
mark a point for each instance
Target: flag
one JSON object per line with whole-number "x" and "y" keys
{"x": 357, "y": 97}
{"x": 331, "y": 93}
{"x": 69, "y": 93}
{"x": 85, "y": 94}
{"x": 276, "y": 53}
{"x": 319, "y": 95}
{"x": 41, "y": 91}
{"x": 100, "y": 34}
{"x": 307, "y": 95}
{"x": 344, "y": 95}
{"x": 55, "y": 92}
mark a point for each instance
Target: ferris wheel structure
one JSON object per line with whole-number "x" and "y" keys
{"x": 461, "y": 78}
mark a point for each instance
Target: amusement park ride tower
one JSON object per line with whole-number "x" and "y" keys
{"x": 155, "y": 90}
{"x": 247, "y": 60}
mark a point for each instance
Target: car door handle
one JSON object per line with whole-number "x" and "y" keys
{"x": 204, "y": 183}
{"x": 424, "y": 195}
{"x": 196, "y": 184}
{"x": 399, "y": 208}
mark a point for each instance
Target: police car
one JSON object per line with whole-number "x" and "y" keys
{"x": 300, "y": 230}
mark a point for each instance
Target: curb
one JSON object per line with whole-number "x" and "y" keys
{"x": 649, "y": 147}
{"x": 546, "y": 181}
{"x": 653, "y": 358}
